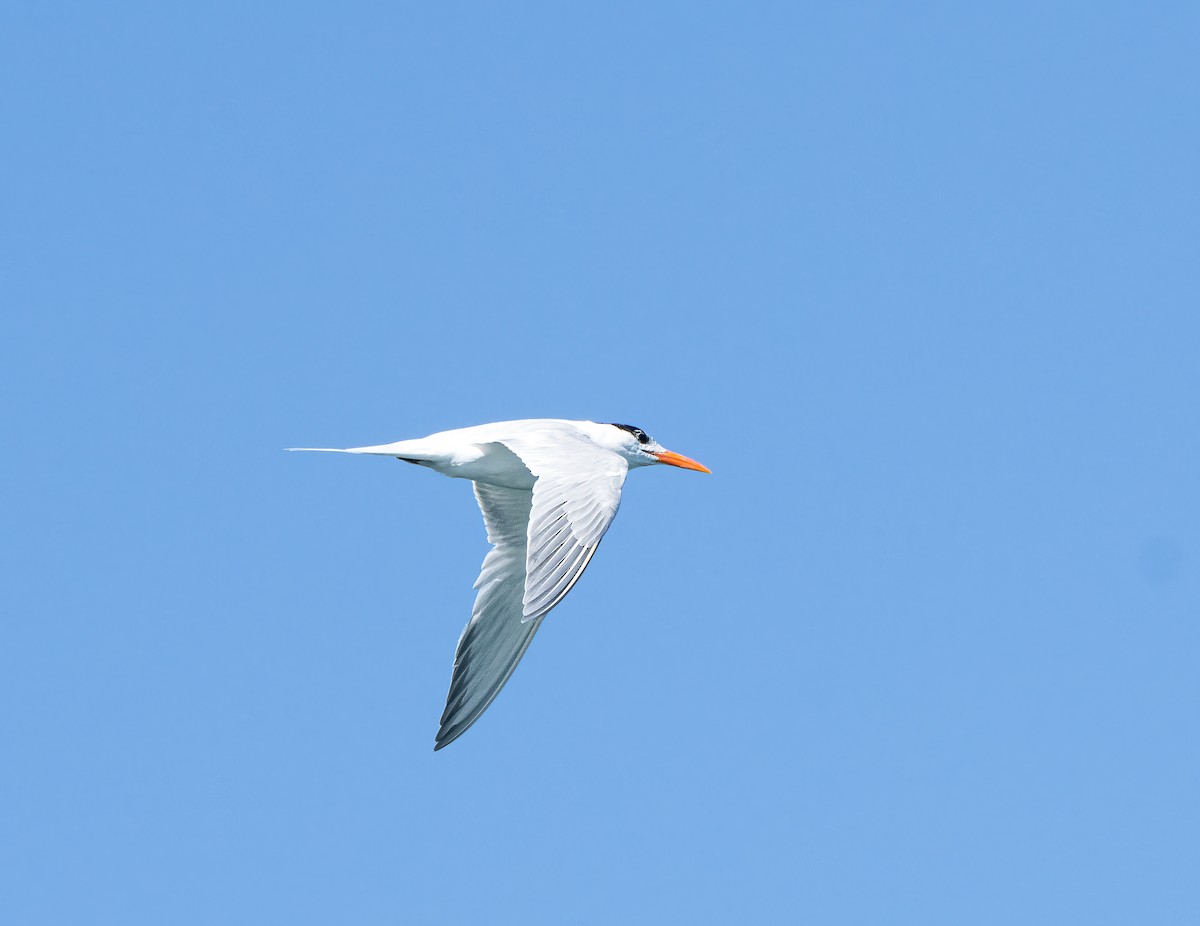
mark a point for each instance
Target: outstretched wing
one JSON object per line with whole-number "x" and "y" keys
{"x": 495, "y": 637}
{"x": 544, "y": 540}
{"x": 575, "y": 499}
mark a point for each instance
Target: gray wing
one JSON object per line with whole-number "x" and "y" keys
{"x": 495, "y": 637}
{"x": 544, "y": 539}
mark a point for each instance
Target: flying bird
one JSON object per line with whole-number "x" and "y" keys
{"x": 548, "y": 489}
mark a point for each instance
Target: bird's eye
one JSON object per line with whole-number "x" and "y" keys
{"x": 643, "y": 437}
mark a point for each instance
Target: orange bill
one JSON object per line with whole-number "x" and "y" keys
{"x": 678, "y": 459}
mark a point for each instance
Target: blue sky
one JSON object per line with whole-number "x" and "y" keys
{"x": 919, "y": 284}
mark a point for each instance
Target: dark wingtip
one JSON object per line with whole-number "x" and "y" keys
{"x": 445, "y": 737}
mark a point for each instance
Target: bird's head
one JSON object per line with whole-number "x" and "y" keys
{"x": 640, "y": 449}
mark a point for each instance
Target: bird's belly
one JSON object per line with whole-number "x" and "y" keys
{"x": 492, "y": 463}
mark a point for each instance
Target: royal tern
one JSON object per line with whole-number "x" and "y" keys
{"x": 548, "y": 489}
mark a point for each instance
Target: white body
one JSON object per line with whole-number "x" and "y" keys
{"x": 471, "y": 453}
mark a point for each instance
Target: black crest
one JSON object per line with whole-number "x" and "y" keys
{"x": 642, "y": 436}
